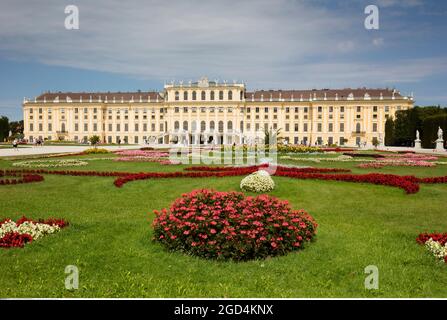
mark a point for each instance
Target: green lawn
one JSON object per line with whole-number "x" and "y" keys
{"x": 109, "y": 239}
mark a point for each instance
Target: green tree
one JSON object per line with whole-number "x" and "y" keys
{"x": 94, "y": 140}
{"x": 4, "y": 128}
{"x": 430, "y": 129}
{"x": 389, "y": 132}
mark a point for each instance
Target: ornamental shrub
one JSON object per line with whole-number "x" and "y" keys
{"x": 96, "y": 151}
{"x": 259, "y": 182}
{"x": 230, "y": 226}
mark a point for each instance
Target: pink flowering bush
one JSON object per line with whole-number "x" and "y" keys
{"x": 228, "y": 225}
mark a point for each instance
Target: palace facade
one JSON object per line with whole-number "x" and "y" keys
{"x": 211, "y": 112}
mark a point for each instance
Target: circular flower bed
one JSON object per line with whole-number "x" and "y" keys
{"x": 228, "y": 225}
{"x": 50, "y": 163}
{"x": 259, "y": 181}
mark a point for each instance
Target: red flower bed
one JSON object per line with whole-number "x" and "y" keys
{"x": 228, "y": 225}
{"x": 15, "y": 239}
{"x": 364, "y": 155}
{"x": 263, "y": 166}
{"x": 375, "y": 178}
{"x": 439, "y": 237}
{"x": 409, "y": 183}
{"x": 18, "y": 177}
{"x": 13, "y": 235}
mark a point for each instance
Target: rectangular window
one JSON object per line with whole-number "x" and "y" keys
{"x": 296, "y": 127}
{"x": 136, "y": 128}
{"x": 40, "y": 127}
{"x": 85, "y": 126}
{"x": 342, "y": 141}
{"x": 136, "y": 139}
{"x": 331, "y": 128}
{"x": 126, "y": 127}
{"x": 144, "y": 127}
{"x": 305, "y": 127}
{"x": 76, "y": 126}
{"x": 287, "y": 127}
{"x": 95, "y": 127}
{"x": 319, "y": 127}
{"x": 153, "y": 127}
{"x": 375, "y": 109}
{"x": 342, "y": 127}
{"x": 118, "y": 127}
{"x": 110, "y": 127}
{"x": 50, "y": 127}
{"x": 374, "y": 127}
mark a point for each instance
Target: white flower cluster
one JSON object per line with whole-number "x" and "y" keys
{"x": 35, "y": 230}
{"x": 258, "y": 182}
{"x": 436, "y": 249}
{"x": 50, "y": 163}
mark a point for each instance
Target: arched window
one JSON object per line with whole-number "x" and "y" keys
{"x": 176, "y": 125}
{"x": 220, "y": 95}
{"x": 185, "y": 95}
{"x": 212, "y": 95}
{"x": 185, "y": 125}
{"x": 212, "y": 126}
{"x": 194, "y": 95}
{"x": 203, "y": 95}
{"x": 221, "y": 126}
{"x": 194, "y": 126}
{"x": 357, "y": 128}
{"x": 230, "y": 125}
{"x": 202, "y": 126}
{"x": 230, "y": 95}
{"x": 177, "y": 96}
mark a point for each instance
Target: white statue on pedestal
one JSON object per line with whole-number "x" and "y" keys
{"x": 440, "y": 141}
{"x": 417, "y": 142}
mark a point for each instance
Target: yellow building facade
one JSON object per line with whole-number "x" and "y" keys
{"x": 211, "y": 112}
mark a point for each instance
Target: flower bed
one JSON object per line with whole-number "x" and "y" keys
{"x": 7, "y": 177}
{"x": 141, "y": 153}
{"x": 436, "y": 243}
{"x": 259, "y": 182}
{"x": 282, "y": 148}
{"x": 96, "y": 151}
{"x": 401, "y": 160}
{"x": 50, "y": 163}
{"x": 228, "y": 225}
{"x": 17, "y": 234}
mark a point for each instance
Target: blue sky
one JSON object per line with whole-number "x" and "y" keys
{"x": 281, "y": 44}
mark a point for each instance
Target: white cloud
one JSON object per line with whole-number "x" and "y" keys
{"x": 281, "y": 43}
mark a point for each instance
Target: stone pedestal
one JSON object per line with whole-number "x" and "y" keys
{"x": 439, "y": 145}
{"x": 417, "y": 144}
